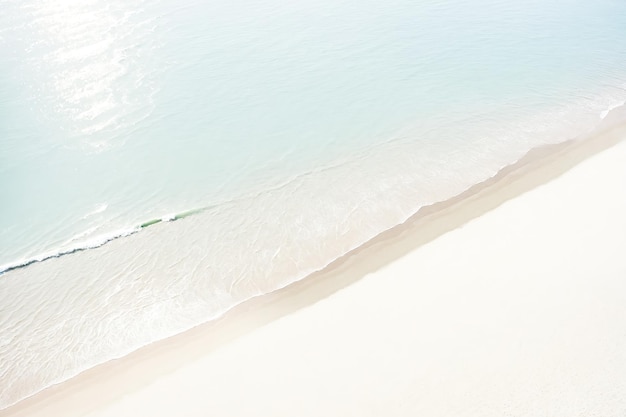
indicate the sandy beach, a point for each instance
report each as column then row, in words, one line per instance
column 509, row 300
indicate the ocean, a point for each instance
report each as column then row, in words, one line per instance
column 161, row 163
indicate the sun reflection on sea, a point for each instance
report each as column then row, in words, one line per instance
column 95, row 78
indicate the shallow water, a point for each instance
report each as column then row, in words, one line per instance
column 294, row 132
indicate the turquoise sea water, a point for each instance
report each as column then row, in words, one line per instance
column 294, row 133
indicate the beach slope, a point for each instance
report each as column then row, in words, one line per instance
column 510, row 302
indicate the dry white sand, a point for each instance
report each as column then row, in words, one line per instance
column 511, row 302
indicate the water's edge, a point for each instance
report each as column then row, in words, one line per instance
column 594, row 142
column 608, row 118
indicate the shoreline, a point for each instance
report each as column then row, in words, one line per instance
column 97, row 241
column 107, row 382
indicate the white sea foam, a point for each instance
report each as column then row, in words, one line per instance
column 611, row 107
column 70, row 247
column 99, row 209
